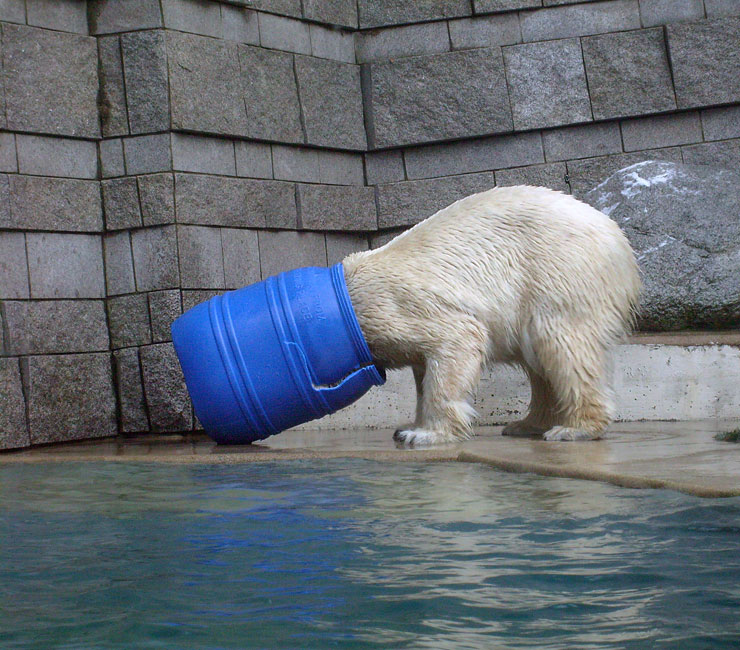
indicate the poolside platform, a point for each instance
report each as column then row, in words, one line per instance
column 683, row 456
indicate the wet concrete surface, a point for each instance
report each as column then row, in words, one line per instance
column 683, row 456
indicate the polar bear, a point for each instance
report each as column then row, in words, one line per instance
column 519, row 275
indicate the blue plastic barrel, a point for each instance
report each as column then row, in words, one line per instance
column 275, row 354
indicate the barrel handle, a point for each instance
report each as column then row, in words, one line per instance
column 322, row 387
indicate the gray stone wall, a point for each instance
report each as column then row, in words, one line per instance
column 156, row 152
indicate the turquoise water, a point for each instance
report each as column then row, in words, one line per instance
column 357, row 554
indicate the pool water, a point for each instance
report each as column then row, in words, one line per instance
column 358, row 554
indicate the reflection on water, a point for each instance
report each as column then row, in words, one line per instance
column 356, row 554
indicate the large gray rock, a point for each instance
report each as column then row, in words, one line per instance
column 683, row 222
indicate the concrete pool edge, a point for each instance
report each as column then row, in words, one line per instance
column 681, row 456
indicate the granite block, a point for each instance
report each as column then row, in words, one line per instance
column 13, row 11
column 241, row 257
column 114, row 16
column 192, row 297
column 331, row 102
column 128, row 320
column 60, row 15
column 705, row 62
column 147, row 154
column 70, row 397
column 65, row 265
column 112, row 97
column 62, row 204
column 164, row 308
column 240, row 25
column 280, row 33
column 204, row 85
column 195, row 153
column 547, row 84
column 333, row 12
column 379, row 239
column 268, row 80
column 661, row 131
column 552, row 175
column 64, row 157
column 586, row 174
column 55, row 326
column 195, row 16
column 235, row 202
column 491, row 6
column 716, row 154
column 580, row 20
column 337, row 207
column 13, row 266
column 404, row 204
column 155, row 258
column 341, row 244
column 112, row 162
column 253, row 159
column 721, row 123
column 334, row 44
column 8, row 156
column 6, row 216
column 582, row 141
column 132, row 406
column 341, row 168
column 295, row 163
column 474, row 155
column 145, row 70
column 201, row 258
column 164, row 389
column 13, row 425
column 662, row 12
column 485, row 31
column 119, row 264
column 121, row 203
column 720, row 8
column 286, row 250
column 436, row 97
column 384, row 167
column 376, row 13
column 628, row 74
column 409, row 40
column 284, row 7
column 51, row 81
column 157, row 196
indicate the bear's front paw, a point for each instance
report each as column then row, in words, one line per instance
column 522, row 428
column 415, row 438
column 569, row 434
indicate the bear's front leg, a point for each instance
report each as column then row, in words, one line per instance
column 444, row 412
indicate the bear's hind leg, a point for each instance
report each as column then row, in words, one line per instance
column 576, row 366
column 542, row 410
column 444, row 411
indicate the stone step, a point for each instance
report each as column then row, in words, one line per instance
column 658, row 376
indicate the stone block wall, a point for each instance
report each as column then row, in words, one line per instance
column 156, row 152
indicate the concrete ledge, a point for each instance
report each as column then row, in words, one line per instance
column 675, row 376
column 682, row 456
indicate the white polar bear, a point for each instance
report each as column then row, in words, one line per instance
column 521, row 275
